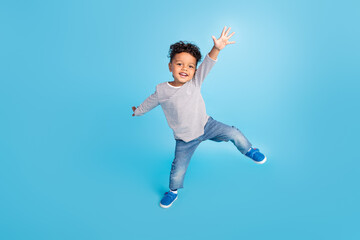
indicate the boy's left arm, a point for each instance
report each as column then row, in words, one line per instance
column 211, row 58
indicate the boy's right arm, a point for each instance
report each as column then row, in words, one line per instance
column 149, row 103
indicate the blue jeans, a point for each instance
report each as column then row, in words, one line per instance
column 213, row 130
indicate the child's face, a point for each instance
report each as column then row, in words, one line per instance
column 183, row 67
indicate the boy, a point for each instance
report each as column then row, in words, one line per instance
column 185, row 111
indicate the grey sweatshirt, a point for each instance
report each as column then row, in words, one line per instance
column 183, row 106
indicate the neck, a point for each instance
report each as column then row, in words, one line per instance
column 176, row 84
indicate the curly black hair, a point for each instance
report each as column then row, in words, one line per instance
column 181, row 46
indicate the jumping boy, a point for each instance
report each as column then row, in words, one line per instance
column 185, row 112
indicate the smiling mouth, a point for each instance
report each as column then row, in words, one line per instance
column 183, row 74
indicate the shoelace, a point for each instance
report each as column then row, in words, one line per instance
column 172, row 196
column 254, row 153
column 254, row 150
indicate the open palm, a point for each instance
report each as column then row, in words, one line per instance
column 223, row 39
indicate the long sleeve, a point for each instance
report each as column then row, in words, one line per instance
column 151, row 102
column 203, row 70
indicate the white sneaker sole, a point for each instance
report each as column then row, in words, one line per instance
column 167, row 206
column 261, row 162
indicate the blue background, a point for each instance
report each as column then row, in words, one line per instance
column 76, row 165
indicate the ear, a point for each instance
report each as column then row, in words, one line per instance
column 170, row 67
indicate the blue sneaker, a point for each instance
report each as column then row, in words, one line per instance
column 256, row 155
column 168, row 199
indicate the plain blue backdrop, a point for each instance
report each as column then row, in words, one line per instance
column 74, row 163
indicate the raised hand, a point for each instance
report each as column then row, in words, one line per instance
column 223, row 39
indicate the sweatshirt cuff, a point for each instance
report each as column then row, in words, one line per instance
column 207, row 56
column 137, row 112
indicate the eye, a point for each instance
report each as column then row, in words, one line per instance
column 179, row 64
column 191, row 66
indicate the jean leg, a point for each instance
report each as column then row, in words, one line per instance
column 183, row 154
column 221, row 132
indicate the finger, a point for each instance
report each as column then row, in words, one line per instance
column 231, row 35
column 227, row 32
column 214, row 38
column 231, row 42
column 223, row 31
